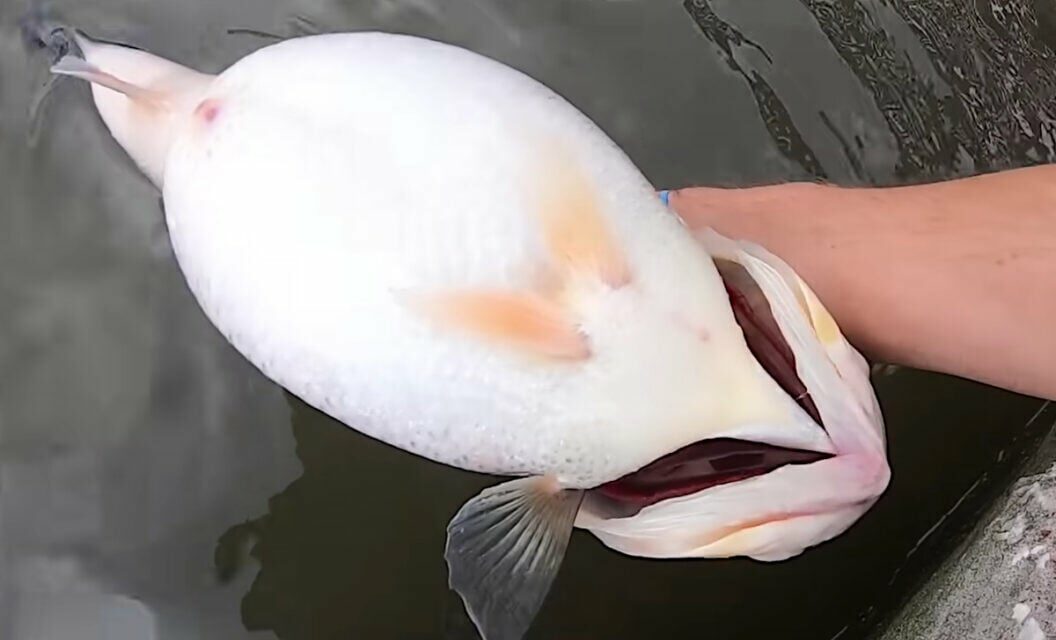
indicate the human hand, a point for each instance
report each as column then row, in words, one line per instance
column 957, row 277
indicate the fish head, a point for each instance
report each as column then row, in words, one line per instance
column 143, row 99
column 790, row 449
column 771, row 491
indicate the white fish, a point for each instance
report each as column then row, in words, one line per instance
column 447, row 256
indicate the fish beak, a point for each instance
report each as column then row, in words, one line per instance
column 759, row 497
column 142, row 98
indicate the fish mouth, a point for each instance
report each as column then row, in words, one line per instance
column 710, row 463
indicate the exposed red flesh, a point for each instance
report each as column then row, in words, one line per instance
column 710, row 463
column 701, row 465
column 770, row 349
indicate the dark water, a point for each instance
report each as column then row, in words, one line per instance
column 153, row 485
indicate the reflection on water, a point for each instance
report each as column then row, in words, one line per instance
column 975, row 92
column 734, row 45
column 150, row 483
column 353, row 547
column 961, row 89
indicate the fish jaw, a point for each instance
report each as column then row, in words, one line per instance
column 143, row 99
column 781, row 513
column 770, row 517
column 833, row 372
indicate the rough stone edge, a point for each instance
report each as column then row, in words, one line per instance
column 1000, row 584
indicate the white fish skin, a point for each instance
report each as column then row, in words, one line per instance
column 343, row 172
column 333, row 200
column 780, row 514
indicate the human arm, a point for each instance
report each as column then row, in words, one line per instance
column 957, row 277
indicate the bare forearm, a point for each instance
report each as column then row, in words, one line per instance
column 957, row 277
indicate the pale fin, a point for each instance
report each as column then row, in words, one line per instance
column 526, row 321
column 78, row 68
column 504, row 549
column 574, row 228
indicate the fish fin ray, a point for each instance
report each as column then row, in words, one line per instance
column 502, row 567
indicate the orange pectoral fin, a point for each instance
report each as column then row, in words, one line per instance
column 525, row 321
column 574, row 228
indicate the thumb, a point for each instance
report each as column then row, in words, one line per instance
column 712, row 206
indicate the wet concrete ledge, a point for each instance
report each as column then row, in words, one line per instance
column 1000, row 584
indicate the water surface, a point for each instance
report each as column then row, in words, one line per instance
column 154, row 485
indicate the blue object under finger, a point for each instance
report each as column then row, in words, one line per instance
column 665, row 195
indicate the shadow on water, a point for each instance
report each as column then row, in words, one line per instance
column 353, row 548
column 137, row 451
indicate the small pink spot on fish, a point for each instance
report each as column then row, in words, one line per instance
column 695, row 328
column 208, row 110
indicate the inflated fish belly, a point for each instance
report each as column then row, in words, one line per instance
column 447, row 256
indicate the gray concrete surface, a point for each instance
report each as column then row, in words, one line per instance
column 1001, row 583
